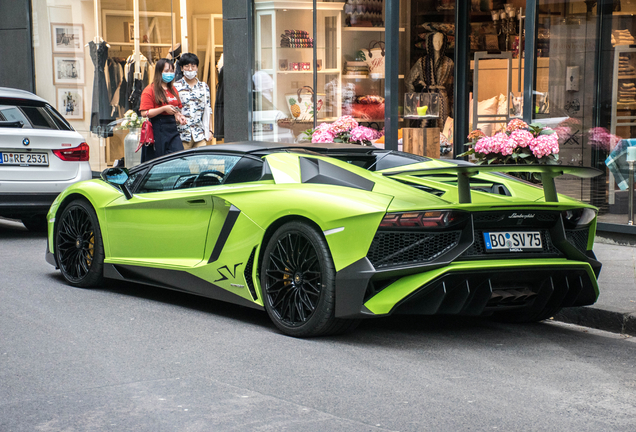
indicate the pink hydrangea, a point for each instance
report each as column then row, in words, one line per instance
column 322, row 136
column 516, row 124
column 343, row 124
column 505, row 145
column 545, row 145
column 361, row 134
column 521, row 138
column 500, row 143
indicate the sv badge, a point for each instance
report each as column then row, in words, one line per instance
column 226, row 273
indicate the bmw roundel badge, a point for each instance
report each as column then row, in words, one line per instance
column 26, row 142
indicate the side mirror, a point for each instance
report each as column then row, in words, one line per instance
column 119, row 177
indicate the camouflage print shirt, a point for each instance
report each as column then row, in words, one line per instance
column 194, row 100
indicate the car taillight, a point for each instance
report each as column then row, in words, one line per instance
column 577, row 218
column 423, row 219
column 75, row 154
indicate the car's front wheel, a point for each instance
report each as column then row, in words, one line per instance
column 79, row 249
column 298, row 282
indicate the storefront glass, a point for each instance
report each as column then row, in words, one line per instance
column 616, row 129
column 88, row 55
column 336, row 71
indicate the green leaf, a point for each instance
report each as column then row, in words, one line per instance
column 524, row 155
column 547, row 132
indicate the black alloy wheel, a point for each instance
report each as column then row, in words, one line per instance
column 79, row 250
column 298, row 280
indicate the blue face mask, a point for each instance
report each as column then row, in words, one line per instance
column 167, row 76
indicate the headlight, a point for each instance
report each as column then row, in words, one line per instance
column 434, row 219
column 577, row 218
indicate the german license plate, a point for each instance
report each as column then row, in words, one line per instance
column 24, row 159
column 513, row 241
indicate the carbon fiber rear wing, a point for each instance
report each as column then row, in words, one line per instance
column 463, row 173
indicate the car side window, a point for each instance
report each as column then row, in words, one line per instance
column 187, row 172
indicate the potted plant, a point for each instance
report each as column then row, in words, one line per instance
column 520, row 143
column 345, row 130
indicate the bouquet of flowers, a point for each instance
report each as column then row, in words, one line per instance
column 520, row 143
column 344, row 130
column 131, row 120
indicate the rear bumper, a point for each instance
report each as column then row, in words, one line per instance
column 19, row 205
column 465, row 288
column 20, row 199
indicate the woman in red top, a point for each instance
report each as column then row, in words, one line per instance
column 160, row 103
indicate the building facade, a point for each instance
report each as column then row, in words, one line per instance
column 567, row 64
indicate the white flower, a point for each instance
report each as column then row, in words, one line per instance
column 133, row 117
column 124, row 124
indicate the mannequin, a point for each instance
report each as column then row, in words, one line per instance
column 434, row 72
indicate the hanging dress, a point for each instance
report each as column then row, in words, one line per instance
column 101, row 110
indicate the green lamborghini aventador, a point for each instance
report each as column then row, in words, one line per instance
column 323, row 235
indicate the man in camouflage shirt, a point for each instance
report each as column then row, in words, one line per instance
column 195, row 96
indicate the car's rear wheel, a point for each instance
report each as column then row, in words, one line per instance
column 79, row 249
column 35, row 223
column 298, row 282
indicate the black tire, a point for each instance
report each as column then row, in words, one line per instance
column 79, row 249
column 36, row 223
column 298, row 282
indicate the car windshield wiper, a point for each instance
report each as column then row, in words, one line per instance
column 12, row 124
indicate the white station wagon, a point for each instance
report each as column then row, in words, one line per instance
column 40, row 155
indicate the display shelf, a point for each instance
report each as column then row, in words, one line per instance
column 626, row 105
column 426, row 117
column 140, row 44
column 627, row 77
column 368, row 29
column 324, row 71
column 357, row 77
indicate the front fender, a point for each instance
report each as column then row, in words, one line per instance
column 97, row 192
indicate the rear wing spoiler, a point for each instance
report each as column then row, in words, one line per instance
column 463, row 173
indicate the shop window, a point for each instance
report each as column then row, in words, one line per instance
column 304, row 79
column 88, row 54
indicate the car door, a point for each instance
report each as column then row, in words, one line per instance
column 167, row 219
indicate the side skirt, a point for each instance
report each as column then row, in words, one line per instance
column 175, row 280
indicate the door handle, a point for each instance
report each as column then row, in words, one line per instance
column 196, row 201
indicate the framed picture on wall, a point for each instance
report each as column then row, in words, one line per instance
column 68, row 70
column 70, row 102
column 67, row 38
column 129, row 31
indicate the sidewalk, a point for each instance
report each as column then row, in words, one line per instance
column 615, row 309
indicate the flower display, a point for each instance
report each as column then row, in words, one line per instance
column 519, row 144
column 131, row 120
column 545, row 145
column 521, row 137
column 344, row 130
column 343, row 124
column 362, row 134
